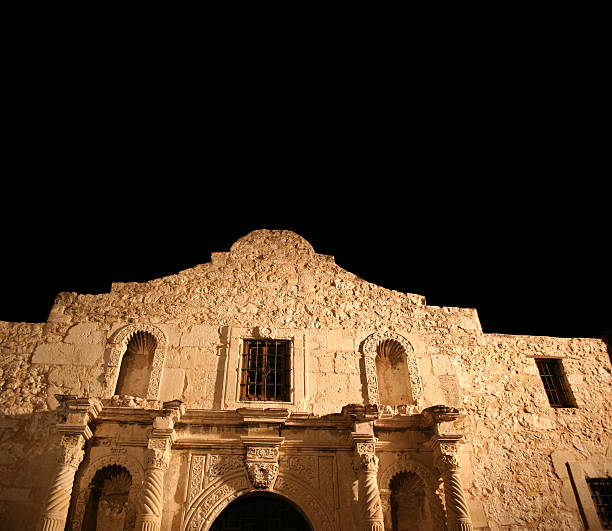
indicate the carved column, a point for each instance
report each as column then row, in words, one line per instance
column 448, row 464
column 157, row 459
column 366, row 465
column 444, row 443
column 74, row 433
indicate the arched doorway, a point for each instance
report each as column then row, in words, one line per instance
column 260, row 513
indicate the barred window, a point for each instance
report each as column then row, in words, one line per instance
column 601, row 491
column 555, row 383
column 266, row 370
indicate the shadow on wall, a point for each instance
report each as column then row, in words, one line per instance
column 29, row 451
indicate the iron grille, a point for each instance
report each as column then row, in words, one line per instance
column 601, row 491
column 555, row 383
column 266, row 370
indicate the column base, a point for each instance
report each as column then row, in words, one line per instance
column 464, row 525
column 148, row 525
column 53, row 524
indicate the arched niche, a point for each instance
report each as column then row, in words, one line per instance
column 391, row 369
column 107, row 505
column 410, row 490
column 143, row 348
column 91, row 476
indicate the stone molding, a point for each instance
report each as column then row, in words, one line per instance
column 118, row 347
column 369, row 350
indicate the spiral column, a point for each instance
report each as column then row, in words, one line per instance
column 366, row 466
column 74, row 433
column 58, row 497
column 458, row 513
column 157, row 459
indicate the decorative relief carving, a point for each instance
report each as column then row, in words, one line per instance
column 212, row 504
column 310, row 505
column 156, row 458
column 71, row 450
column 218, row 465
column 83, row 486
column 365, row 447
column 197, row 476
column 262, row 474
column 257, row 452
column 118, row 348
column 262, row 465
column 267, row 332
column 303, row 466
column 370, row 351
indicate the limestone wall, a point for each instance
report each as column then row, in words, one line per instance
column 520, row 445
column 517, row 446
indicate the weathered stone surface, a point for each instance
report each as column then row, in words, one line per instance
column 516, row 455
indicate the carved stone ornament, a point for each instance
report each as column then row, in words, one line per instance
column 266, row 332
column 366, row 463
column 118, row 348
column 406, row 351
column 262, row 465
column 71, row 450
column 262, row 475
column 156, row 458
column 447, row 460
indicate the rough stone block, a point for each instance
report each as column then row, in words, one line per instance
column 346, row 363
column 85, row 333
column 172, row 383
column 443, row 365
column 200, row 336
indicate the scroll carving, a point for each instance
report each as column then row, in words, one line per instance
column 219, row 465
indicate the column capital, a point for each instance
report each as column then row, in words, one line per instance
column 363, row 443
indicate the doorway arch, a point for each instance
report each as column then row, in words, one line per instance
column 261, row 512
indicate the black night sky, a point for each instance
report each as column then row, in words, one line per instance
column 474, row 173
column 531, row 261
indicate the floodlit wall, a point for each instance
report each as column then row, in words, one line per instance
column 523, row 463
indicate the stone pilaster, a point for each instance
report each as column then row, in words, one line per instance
column 157, row 459
column 366, row 466
column 74, row 433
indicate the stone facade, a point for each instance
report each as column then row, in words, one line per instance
column 400, row 415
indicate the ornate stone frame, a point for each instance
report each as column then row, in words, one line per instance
column 208, row 503
column 431, row 480
column 82, row 486
column 233, row 361
column 118, row 346
column 369, row 349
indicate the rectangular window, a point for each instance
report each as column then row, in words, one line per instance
column 266, row 370
column 601, row 491
column 555, row 384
